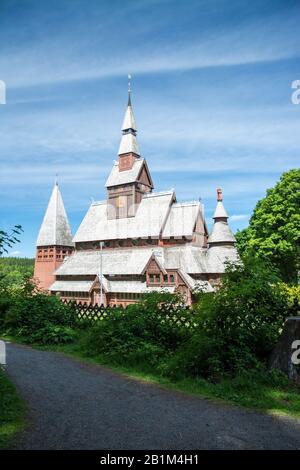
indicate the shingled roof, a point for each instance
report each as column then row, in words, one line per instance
column 55, row 228
column 149, row 220
column 181, row 220
column 132, row 261
column 221, row 232
column 117, row 177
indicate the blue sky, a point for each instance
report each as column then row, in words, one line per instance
column 211, row 95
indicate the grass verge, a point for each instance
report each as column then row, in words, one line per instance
column 12, row 411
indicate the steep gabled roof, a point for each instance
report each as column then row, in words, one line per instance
column 155, row 258
column 117, row 177
column 149, row 220
column 181, row 220
column 55, row 228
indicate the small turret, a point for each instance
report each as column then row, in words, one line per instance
column 221, row 234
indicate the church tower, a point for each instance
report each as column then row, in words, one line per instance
column 129, row 179
column 54, row 241
column 221, row 234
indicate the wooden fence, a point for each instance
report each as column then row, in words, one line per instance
column 92, row 313
column 89, row 312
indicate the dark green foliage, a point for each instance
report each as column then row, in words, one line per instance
column 197, row 356
column 245, row 316
column 36, row 316
column 52, row 334
column 274, row 228
column 142, row 333
column 14, row 271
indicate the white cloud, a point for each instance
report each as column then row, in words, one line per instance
column 15, row 253
column 238, row 217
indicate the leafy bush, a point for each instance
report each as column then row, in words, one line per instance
column 292, row 294
column 36, row 316
column 245, row 316
column 53, row 334
column 143, row 333
column 198, row 356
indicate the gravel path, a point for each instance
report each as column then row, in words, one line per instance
column 73, row 405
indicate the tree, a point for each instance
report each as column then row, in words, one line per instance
column 9, row 239
column 274, row 228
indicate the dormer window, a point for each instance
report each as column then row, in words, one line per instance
column 154, row 279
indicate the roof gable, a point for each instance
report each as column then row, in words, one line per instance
column 133, row 175
column 181, row 220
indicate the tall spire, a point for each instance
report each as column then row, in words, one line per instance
column 221, row 233
column 55, row 228
column 129, row 142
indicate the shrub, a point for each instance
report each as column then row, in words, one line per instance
column 37, row 317
column 198, row 356
column 143, row 333
column 245, row 315
column 52, row 334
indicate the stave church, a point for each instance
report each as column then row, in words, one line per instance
column 135, row 241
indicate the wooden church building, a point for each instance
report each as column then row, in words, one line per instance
column 135, row 241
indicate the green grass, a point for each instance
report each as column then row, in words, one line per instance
column 12, row 411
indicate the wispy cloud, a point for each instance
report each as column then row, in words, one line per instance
column 140, row 48
column 238, row 217
column 15, row 253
